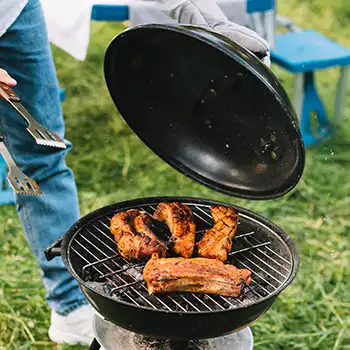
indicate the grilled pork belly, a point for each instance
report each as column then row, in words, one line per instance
column 179, row 219
column 196, row 275
column 135, row 239
column 217, row 241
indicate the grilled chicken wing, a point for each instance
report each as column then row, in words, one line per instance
column 179, row 219
column 197, row 275
column 217, row 241
column 135, row 239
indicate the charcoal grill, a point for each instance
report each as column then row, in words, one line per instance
column 214, row 112
column 115, row 288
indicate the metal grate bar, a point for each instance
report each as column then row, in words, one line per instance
column 177, row 304
column 82, row 257
column 263, row 270
column 268, row 274
column 254, row 291
column 240, row 236
column 125, row 286
column 262, row 278
column 214, row 301
column 192, row 294
column 269, row 249
column 249, row 248
column 200, row 217
column 202, row 302
column 155, row 297
column 204, row 212
column 159, row 300
column 106, row 235
column 98, row 262
column 246, row 249
column 273, row 260
column 121, row 270
column 244, row 235
column 264, row 262
column 119, row 277
column 229, row 302
column 187, row 301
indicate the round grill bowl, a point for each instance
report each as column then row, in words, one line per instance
column 89, row 251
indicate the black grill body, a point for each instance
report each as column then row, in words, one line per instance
column 90, row 253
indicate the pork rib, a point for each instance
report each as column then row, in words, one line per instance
column 196, row 275
column 135, row 239
column 217, row 241
column 179, row 219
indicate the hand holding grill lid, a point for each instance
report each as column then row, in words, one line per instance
column 207, row 13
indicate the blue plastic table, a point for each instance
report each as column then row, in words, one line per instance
column 304, row 52
column 115, row 13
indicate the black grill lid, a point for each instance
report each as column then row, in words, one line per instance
column 208, row 107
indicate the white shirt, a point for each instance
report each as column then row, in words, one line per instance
column 9, row 11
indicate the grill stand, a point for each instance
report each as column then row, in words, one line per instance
column 111, row 337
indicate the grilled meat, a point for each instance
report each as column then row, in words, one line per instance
column 217, row 241
column 135, row 239
column 197, row 275
column 179, row 219
column 121, row 223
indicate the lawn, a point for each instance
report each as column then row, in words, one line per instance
column 111, row 164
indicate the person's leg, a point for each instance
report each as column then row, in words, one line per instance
column 25, row 53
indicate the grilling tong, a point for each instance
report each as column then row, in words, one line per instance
column 17, row 179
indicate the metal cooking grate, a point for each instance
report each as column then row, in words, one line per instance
column 255, row 247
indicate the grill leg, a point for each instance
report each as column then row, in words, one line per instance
column 95, row 345
column 179, row 344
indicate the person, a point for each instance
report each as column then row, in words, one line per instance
column 27, row 65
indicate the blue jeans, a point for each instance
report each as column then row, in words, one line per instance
column 25, row 53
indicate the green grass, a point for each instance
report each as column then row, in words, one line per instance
column 111, row 164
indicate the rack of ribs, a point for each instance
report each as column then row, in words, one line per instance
column 196, row 275
column 135, row 239
column 217, row 241
column 179, row 219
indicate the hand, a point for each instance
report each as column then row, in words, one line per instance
column 5, row 78
column 207, row 13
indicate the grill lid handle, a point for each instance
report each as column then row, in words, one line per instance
column 54, row 250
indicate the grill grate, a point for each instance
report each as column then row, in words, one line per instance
column 256, row 247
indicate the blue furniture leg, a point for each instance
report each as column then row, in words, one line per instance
column 62, row 95
column 6, row 193
column 313, row 108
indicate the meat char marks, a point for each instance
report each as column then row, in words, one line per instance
column 179, row 219
column 196, row 275
column 135, row 239
column 217, row 241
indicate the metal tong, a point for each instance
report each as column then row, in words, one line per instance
column 42, row 135
column 18, row 180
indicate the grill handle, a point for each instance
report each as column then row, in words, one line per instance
column 54, row 250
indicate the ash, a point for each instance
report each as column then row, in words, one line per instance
column 102, row 288
column 148, row 343
column 136, row 272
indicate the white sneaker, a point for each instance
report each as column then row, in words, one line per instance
column 75, row 328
